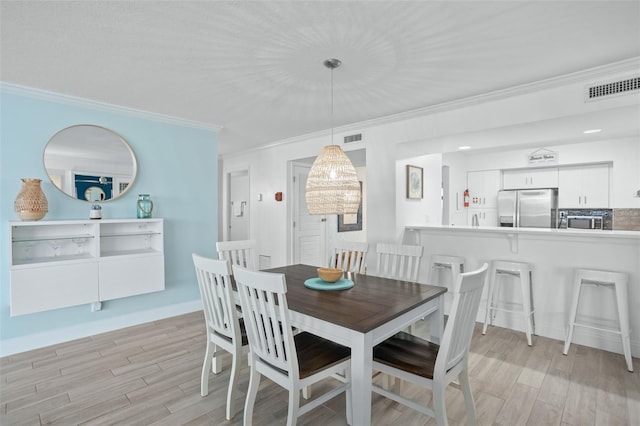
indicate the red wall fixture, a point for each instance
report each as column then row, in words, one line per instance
column 278, row 196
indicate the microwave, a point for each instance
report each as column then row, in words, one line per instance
column 584, row 222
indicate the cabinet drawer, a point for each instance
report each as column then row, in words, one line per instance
column 131, row 275
column 52, row 287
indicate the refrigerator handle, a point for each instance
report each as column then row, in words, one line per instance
column 516, row 212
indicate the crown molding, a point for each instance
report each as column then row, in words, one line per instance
column 631, row 65
column 46, row 95
column 582, row 77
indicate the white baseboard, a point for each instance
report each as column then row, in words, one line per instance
column 48, row 338
column 581, row 336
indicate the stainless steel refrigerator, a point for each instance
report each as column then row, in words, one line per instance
column 528, row 208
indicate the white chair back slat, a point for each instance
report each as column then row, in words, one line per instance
column 350, row 256
column 399, row 261
column 459, row 330
column 243, row 253
column 265, row 309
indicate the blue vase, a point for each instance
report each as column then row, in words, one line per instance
column 145, row 206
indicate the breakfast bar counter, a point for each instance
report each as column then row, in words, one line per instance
column 553, row 254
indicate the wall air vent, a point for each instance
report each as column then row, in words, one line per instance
column 605, row 90
column 353, row 138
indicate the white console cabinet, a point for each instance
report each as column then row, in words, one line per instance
column 56, row 264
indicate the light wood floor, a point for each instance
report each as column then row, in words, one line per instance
column 150, row 374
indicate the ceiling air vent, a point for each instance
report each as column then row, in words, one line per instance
column 605, row 90
column 353, row 138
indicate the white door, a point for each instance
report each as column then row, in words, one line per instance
column 238, row 208
column 309, row 231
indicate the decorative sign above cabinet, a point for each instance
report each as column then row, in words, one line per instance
column 543, row 156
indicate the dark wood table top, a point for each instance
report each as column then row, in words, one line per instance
column 370, row 303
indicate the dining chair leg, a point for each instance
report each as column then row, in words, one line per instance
column 216, row 367
column 206, row 366
column 306, row 392
column 439, row 407
column 233, row 382
column 294, row 406
column 468, row 396
column 252, row 392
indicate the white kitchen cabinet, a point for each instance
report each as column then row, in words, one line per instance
column 486, row 217
column 483, row 196
column 584, row 187
column 56, row 264
column 530, row 178
column 483, row 188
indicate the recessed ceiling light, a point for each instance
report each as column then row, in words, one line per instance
column 464, row 147
column 586, row 132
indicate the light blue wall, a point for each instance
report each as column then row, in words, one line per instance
column 177, row 165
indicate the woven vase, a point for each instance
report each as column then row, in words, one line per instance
column 31, row 203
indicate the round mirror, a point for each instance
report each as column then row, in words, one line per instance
column 90, row 163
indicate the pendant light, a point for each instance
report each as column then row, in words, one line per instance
column 332, row 185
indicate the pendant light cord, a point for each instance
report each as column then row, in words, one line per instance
column 332, row 106
column 332, row 64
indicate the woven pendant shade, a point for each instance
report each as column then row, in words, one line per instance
column 332, row 185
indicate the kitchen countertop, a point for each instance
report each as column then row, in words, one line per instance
column 554, row 254
column 588, row 233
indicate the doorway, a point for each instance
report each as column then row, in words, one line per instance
column 238, row 207
column 308, row 231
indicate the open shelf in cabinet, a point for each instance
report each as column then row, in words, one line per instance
column 128, row 238
column 45, row 242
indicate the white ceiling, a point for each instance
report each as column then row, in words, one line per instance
column 255, row 68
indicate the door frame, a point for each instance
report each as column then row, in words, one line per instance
column 291, row 207
column 226, row 200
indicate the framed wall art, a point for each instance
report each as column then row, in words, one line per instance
column 351, row 222
column 414, row 182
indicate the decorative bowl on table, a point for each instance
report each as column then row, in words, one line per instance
column 330, row 275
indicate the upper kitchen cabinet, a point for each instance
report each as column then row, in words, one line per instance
column 530, row 178
column 483, row 189
column 584, row 187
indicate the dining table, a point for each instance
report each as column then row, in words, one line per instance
column 360, row 317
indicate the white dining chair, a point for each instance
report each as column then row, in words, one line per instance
column 223, row 327
column 241, row 252
column 401, row 262
column 350, row 256
column 426, row 364
column 293, row 361
column 398, row 261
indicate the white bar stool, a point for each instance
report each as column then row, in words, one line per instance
column 522, row 272
column 444, row 271
column 617, row 281
column 451, row 264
